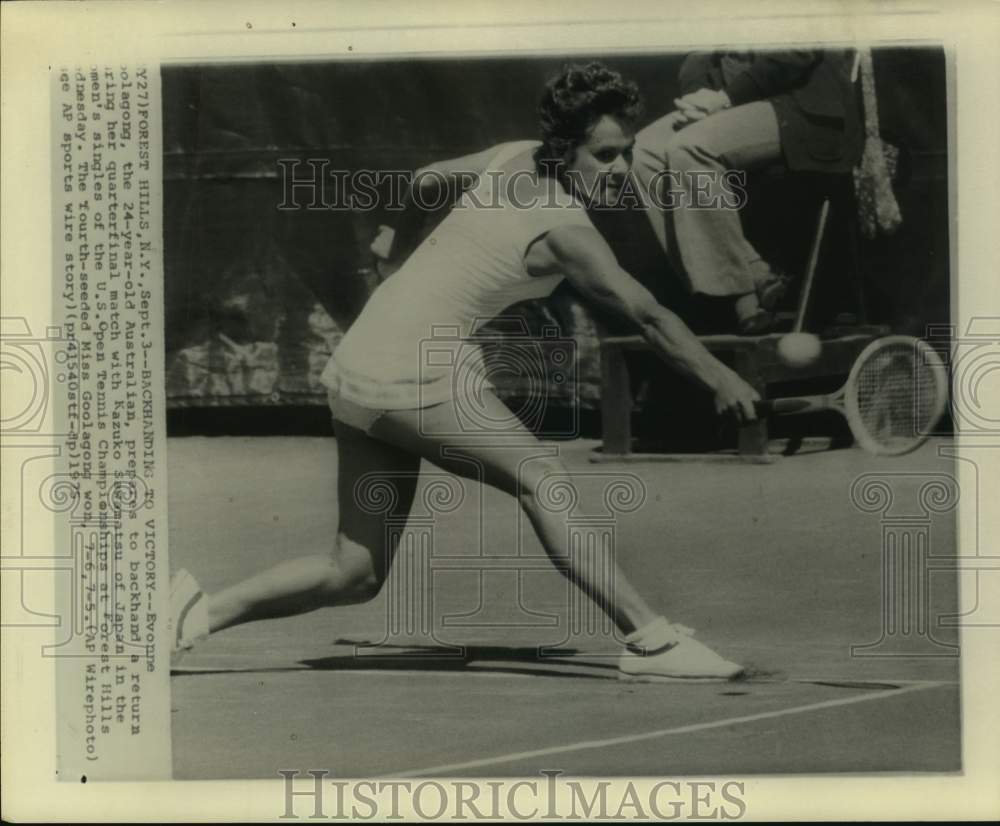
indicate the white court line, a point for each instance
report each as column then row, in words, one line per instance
column 652, row 735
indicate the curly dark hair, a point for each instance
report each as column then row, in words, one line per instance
column 574, row 100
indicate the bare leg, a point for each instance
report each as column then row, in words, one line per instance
column 515, row 461
column 359, row 562
column 512, row 460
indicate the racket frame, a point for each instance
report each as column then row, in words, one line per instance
column 927, row 357
column 845, row 400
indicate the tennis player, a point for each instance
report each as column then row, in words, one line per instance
column 519, row 229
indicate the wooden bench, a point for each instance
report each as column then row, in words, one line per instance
column 755, row 358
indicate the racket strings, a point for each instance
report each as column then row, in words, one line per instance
column 897, row 396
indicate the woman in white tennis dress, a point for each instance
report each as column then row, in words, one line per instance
column 517, row 232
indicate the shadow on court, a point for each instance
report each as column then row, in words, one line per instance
column 472, row 659
column 774, row 566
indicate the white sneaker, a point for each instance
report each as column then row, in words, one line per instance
column 188, row 614
column 663, row 651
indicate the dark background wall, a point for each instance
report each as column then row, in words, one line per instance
column 283, row 285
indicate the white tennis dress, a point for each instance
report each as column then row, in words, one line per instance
column 409, row 347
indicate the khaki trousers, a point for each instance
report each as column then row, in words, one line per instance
column 707, row 244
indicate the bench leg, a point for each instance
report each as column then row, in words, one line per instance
column 616, row 402
column 753, row 439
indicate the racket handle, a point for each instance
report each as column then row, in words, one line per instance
column 780, row 407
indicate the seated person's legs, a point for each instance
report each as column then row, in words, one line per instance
column 695, row 212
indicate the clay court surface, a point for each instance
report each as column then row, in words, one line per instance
column 772, row 564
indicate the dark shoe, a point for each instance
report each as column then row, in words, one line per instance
column 772, row 289
column 758, row 324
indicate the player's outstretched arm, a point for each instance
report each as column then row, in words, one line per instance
column 586, row 260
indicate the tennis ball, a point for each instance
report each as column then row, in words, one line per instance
column 799, row 349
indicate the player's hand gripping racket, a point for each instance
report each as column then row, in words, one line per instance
column 893, row 398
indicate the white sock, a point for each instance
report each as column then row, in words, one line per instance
column 188, row 609
column 194, row 626
column 660, row 633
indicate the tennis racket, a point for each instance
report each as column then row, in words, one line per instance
column 894, row 396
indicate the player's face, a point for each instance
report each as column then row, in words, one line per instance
column 599, row 166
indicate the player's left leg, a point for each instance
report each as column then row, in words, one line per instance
column 352, row 571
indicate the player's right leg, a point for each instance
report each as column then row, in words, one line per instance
column 353, row 571
column 511, row 459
